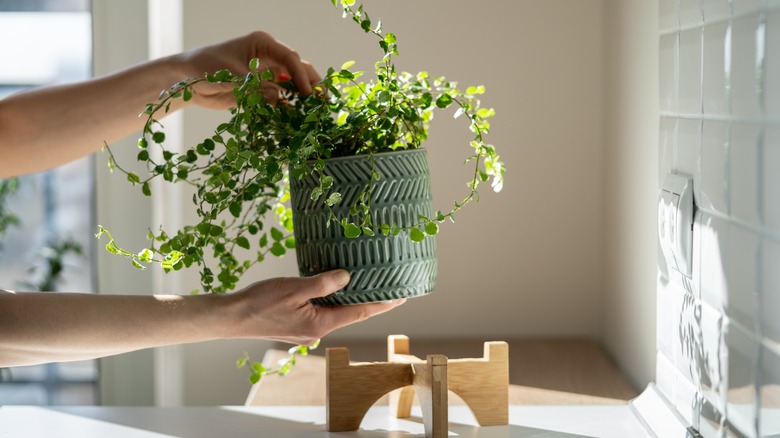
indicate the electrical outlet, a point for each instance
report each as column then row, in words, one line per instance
column 675, row 222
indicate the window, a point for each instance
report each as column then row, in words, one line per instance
column 49, row 42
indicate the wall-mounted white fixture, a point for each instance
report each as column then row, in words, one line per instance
column 675, row 222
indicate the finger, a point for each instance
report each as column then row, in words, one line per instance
column 323, row 284
column 271, row 92
column 314, row 77
column 340, row 316
column 292, row 61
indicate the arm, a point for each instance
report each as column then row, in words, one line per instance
column 50, row 126
column 46, row 327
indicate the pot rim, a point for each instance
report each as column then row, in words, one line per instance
column 378, row 154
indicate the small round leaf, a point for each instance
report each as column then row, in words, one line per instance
column 416, row 235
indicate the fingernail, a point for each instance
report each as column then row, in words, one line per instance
column 342, row 278
column 284, row 77
column 270, row 95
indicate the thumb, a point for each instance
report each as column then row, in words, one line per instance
column 324, row 284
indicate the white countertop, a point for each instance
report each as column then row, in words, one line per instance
column 305, row 421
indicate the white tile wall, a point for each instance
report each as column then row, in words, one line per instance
column 742, row 299
column 771, row 176
column 687, row 148
column 769, row 422
column 744, row 99
column 743, row 354
column 770, row 292
column 713, row 191
column 668, row 15
column 772, row 65
column 668, row 140
column 744, row 161
column 713, row 233
column 719, row 333
column 714, row 62
column 690, row 85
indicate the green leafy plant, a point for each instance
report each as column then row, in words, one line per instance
column 241, row 172
column 258, row 370
column 47, row 274
column 8, row 219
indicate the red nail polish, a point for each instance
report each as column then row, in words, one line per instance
column 284, row 77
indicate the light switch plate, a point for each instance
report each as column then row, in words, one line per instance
column 675, row 222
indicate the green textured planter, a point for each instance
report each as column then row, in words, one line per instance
column 381, row 267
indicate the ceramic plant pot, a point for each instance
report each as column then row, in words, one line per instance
column 381, row 267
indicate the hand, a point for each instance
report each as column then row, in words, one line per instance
column 279, row 308
column 234, row 55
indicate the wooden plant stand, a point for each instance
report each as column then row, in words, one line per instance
column 482, row 383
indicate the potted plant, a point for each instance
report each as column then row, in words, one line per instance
column 341, row 175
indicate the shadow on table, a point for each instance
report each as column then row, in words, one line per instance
column 208, row 422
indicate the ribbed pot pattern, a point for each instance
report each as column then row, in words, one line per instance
column 381, row 267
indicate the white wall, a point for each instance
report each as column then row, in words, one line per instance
column 526, row 262
column 631, row 186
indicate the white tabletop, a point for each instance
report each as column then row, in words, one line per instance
column 304, row 421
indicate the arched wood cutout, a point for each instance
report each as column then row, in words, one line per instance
column 482, row 383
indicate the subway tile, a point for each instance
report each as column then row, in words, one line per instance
column 690, row 13
column 688, row 401
column 699, row 226
column 681, row 333
column 712, row 358
column 743, row 172
column 771, row 177
column 716, row 10
column 743, row 354
column 769, row 391
column 770, row 290
column 742, row 268
column 744, row 96
column 687, row 342
column 772, row 66
column 667, row 15
column 714, row 161
column 741, row 7
column 668, row 139
column 714, row 72
column 713, row 234
column 665, row 376
column 711, row 420
column 686, row 155
column 666, row 324
column 668, row 57
column 689, row 98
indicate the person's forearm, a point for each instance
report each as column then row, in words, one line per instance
column 41, row 327
column 38, row 327
column 47, row 127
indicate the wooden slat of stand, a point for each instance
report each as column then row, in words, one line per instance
column 430, row 384
column 400, row 400
column 353, row 388
column 482, row 383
